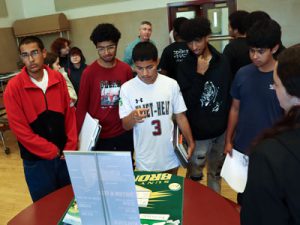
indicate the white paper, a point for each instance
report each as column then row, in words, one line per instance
column 235, row 169
column 143, row 195
column 154, row 216
column 89, row 133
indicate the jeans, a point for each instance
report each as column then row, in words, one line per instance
column 45, row 176
column 212, row 151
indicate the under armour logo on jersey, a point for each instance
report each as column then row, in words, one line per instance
column 139, row 100
column 271, row 87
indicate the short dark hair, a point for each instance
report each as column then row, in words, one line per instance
column 31, row 39
column 256, row 16
column 237, row 20
column 177, row 23
column 195, row 28
column 264, row 34
column 144, row 51
column 105, row 32
column 146, row 22
column 58, row 44
column 288, row 70
column 77, row 51
column 51, row 57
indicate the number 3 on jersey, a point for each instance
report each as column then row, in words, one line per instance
column 157, row 127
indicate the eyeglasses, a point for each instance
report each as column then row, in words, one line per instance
column 109, row 48
column 147, row 68
column 259, row 51
column 26, row 55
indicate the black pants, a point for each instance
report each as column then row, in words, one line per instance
column 123, row 142
column 240, row 198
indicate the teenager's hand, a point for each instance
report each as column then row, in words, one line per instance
column 228, row 148
column 138, row 115
column 191, row 149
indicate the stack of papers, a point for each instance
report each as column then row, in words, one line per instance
column 143, row 195
column 89, row 133
column 235, row 170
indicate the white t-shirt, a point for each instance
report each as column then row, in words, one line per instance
column 153, row 138
column 43, row 84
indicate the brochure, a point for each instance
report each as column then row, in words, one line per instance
column 89, row 133
column 235, row 170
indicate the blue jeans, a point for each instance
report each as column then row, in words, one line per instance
column 212, row 151
column 45, row 176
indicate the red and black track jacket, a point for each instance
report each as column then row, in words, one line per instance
column 42, row 122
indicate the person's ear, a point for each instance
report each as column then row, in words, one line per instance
column 235, row 32
column 207, row 38
column 44, row 53
column 275, row 49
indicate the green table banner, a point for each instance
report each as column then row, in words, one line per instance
column 165, row 201
column 160, row 200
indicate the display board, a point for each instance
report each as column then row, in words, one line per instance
column 159, row 197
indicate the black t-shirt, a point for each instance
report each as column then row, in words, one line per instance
column 172, row 55
column 65, row 62
column 206, row 95
column 75, row 76
column 237, row 52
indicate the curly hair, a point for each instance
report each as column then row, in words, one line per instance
column 105, row 32
column 58, row 44
column 195, row 28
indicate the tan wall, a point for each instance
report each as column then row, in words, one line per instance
column 127, row 23
column 285, row 12
column 8, row 51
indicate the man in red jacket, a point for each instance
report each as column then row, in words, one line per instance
column 40, row 115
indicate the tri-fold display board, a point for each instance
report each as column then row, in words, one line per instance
column 104, row 187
